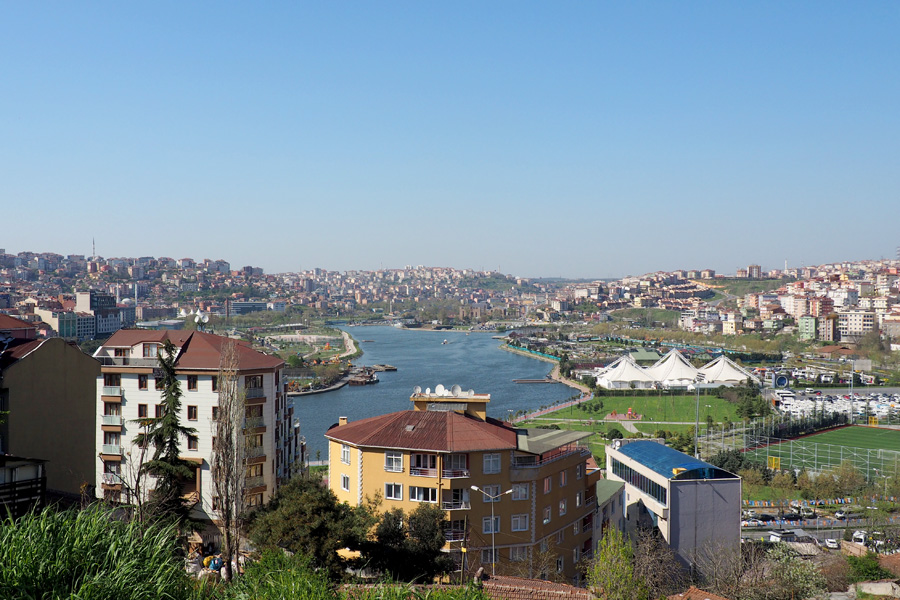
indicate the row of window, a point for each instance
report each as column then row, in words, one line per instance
column 520, row 554
column 640, row 481
column 393, row 461
column 115, row 380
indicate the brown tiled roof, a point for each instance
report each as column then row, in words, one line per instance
column 502, row 587
column 693, row 593
column 8, row 322
column 16, row 350
column 199, row 350
column 438, row 431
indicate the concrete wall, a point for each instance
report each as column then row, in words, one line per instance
column 52, row 412
column 704, row 514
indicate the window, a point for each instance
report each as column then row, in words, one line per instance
column 456, row 462
column 520, row 522
column 121, row 353
column 393, row 462
column 491, row 493
column 192, row 442
column 579, row 499
column 253, row 381
column 254, row 440
column 215, row 413
column 562, row 507
column 423, row 464
column 563, row 478
column 142, row 411
column 560, row 536
column 111, row 438
column 520, row 491
column 142, row 382
column 192, row 413
column 254, row 470
column 488, row 556
column 192, row 383
column 112, row 380
column 393, row 491
column 490, row 525
column 112, row 408
column 158, row 411
column 579, row 471
column 254, row 500
column 345, row 483
column 422, row 494
column 548, row 484
column 151, row 350
column 491, row 463
column 215, row 503
column 345, row 454
column 518, row 553
column 158, row 382
column 215, row 383
column 546, row 515
column 560, row 563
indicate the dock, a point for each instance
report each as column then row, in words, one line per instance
column 544, row 380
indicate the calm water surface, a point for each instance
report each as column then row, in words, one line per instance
column 472, row 361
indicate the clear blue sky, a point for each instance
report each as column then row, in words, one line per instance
column 577, row 139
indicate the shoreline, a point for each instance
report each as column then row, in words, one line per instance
column 554, row 372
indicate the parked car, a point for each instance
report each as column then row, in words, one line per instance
column 832, row 544
column 840, row 514
column 806, row 512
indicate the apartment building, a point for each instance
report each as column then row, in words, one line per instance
column 695, row 506
column 129, row 389
column 853, row 324
column 534, row 492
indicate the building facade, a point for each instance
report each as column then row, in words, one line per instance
column 129, row 390
column 534, row 496
column 694, row 505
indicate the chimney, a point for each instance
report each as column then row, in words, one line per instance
column 342, row 420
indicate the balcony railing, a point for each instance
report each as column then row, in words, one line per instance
column 393, row 468
column 252, row 482
column 112, row 449
column 455, row 505
column 255, row 392
column 423, row 472
column 591, row 500
column 534, row 462
column 454, row 535
column 255, row 451
column 455, row 473
column 127, row 361
column 112, row 478
column 251, row 422
column 112, row 419
column 112, row 390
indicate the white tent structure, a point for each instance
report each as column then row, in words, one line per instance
column 673, row 370
column 624, row 373
column 723, row 371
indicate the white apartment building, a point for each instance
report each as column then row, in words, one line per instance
column 128, row 390
column 854, row 324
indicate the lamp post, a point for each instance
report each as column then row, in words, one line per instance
column 700, row 378
column 493, row 498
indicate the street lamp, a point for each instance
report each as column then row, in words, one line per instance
column 700, row 378
column 493, row 498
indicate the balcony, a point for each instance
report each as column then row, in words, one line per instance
column 423, row 472
column 111, row 479
column 252, row 422
column 454, row 473
column 112, row 420
column 254, row 482
column 455, row 505
column 255, row 392
column 113, row 449
column 255, row 451
column 536, row 462
column 112, row 390
column 127, row 361
column 455, row 535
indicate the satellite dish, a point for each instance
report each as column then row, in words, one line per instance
column 439, row 389
column 455, row 390
column 197, row 319
column 206, row 318
column 616, row 444
column 470, row 393
column 427, row 390
column 417, row 390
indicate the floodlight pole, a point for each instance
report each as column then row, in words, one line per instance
column 493, row 499
column 700, row 377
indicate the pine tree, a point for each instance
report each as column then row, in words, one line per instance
column 164, row 435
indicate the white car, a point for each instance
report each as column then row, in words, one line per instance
column 840, row 515
column 832, row 544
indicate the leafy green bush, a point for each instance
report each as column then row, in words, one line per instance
column 866, row 568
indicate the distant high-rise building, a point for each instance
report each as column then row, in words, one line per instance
column 754, row 272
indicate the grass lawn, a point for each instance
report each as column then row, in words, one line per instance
column 860, row 437
column 656, row 408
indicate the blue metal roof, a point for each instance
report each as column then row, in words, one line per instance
column 663, row 460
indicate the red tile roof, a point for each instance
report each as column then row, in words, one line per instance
column 438, row 431
column 17, row 350
column 693, row 593
column 199, row 350
column 8, row 322
column 502, row 587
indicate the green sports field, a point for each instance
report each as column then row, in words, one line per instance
column 872, row 450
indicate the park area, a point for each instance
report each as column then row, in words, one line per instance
column 664, row 408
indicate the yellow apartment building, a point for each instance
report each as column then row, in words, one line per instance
column 534, row 499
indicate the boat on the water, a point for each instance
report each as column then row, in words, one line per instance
column 445, row 342
column 363, row 376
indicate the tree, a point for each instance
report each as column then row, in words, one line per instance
column 783, row 484
column 229, row 466
column 791, row 576
column 656, row 564
column 306, row 517
column 866, row 568
column 409, row 548
column 164, row 434
column 611, row 572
